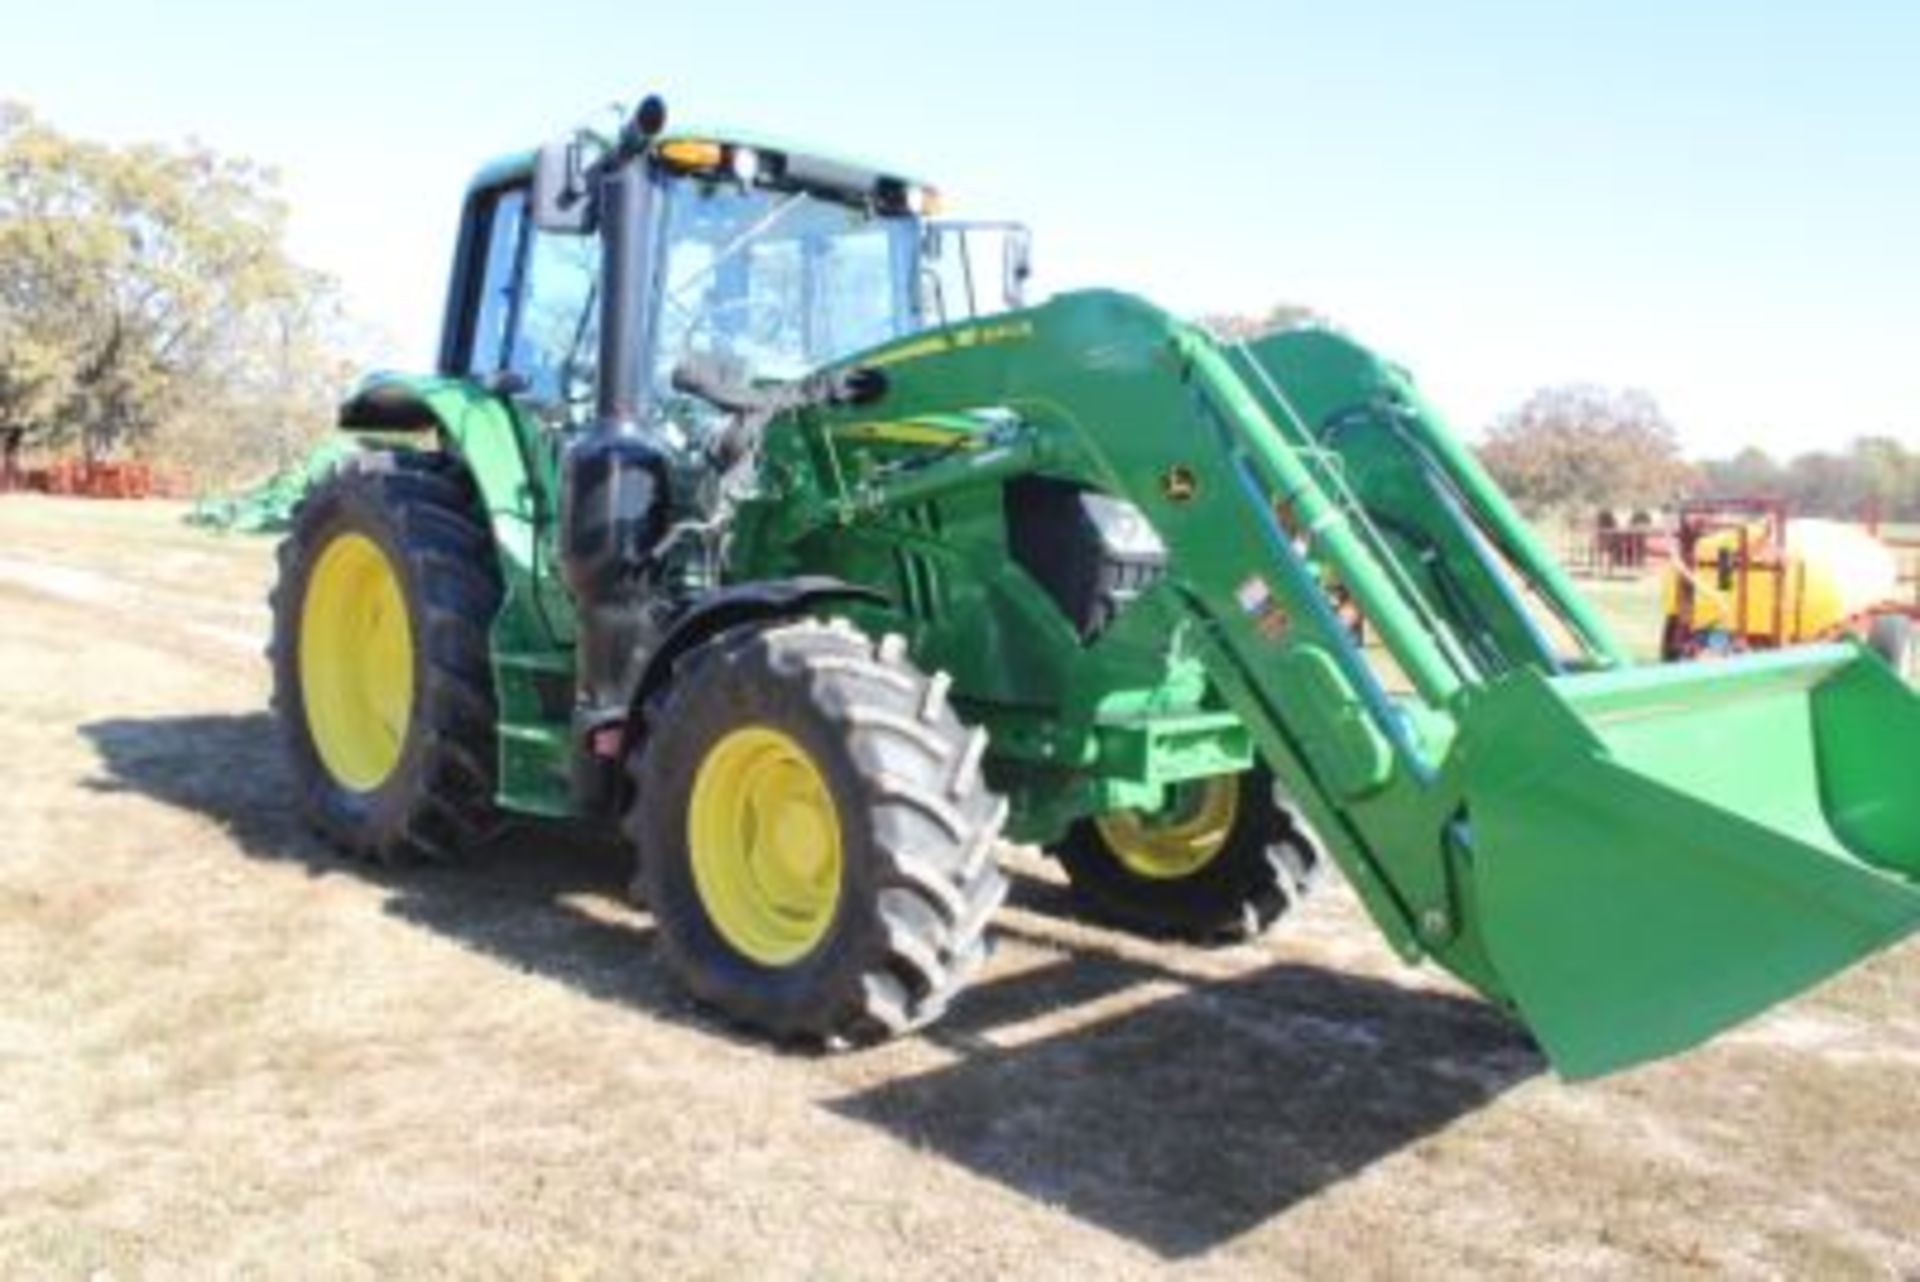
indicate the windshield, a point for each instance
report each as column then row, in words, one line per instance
column 773, row 284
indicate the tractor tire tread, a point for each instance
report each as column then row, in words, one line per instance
column 1270, row 863
column 915, row 931
column 425, row 512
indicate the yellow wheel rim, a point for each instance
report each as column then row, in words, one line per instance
column 356, row 662
column 764, row 836
column 1180, row 840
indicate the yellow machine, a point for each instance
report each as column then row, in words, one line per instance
column 1745, row 577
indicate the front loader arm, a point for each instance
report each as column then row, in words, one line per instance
column 1632, row 859
column 1110, row 390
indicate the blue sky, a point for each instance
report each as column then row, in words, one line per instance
column 1717, row 202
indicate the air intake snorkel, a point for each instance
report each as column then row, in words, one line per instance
column 614, row 499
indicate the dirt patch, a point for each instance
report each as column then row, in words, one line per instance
column 222, row 1051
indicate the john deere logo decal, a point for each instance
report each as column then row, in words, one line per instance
column 1179, row 483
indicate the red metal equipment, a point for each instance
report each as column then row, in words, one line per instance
column 79, row 478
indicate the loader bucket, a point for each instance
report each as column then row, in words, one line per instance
column 1659, row 853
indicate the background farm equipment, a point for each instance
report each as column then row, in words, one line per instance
column 268, row 506
column 82, row 478
column 1619, row 543
column 751, row 507
column 1747, row 577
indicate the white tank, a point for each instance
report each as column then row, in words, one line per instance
column 1833, row 571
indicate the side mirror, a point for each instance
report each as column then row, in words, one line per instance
column 562, row 198
column 1016, row 265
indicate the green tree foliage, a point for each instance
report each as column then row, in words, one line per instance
column 1578, row 447
column 148, row 304
column 1875, row 474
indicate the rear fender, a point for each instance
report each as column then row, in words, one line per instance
column 389, row 403
column 478, row 426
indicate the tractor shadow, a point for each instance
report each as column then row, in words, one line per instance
column 546, row 899
column 1189, row 1119
column 1186, row 1115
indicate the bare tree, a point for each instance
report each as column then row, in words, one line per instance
column 1581, row 446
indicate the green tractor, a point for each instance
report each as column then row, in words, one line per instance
column 751, row 508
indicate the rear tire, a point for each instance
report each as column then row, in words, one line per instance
column 914, row 830
column 1257, row 864
column 1892, row 636
column 428, row 790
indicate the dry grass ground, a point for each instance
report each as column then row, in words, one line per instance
column 225, row 1053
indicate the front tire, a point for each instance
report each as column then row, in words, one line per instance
column 815, row 838
column 381, row 676
column 1222, row 862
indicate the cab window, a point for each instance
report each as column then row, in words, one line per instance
column 556, row 330
column 494, row 295
column 774, row 284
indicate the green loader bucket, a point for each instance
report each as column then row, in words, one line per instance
column 1659, row 853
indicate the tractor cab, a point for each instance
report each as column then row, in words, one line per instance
column 771, row 263
column 732, row 254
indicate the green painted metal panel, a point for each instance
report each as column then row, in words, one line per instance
column 1659, row 858
column 1345, row 747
